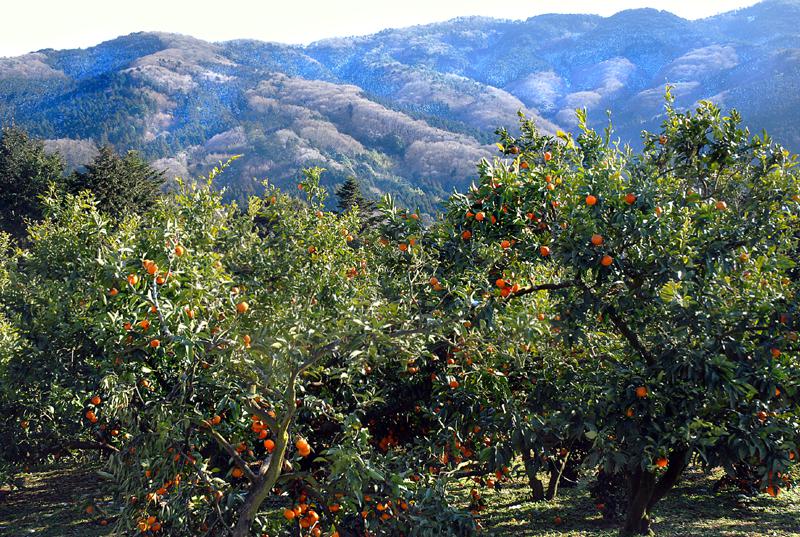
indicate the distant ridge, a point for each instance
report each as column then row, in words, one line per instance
column 409, row 110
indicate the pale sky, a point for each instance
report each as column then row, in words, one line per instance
column 30, row 25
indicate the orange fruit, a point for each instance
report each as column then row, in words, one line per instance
column 762, row 416
column 658, row 211
column 302, row 447
column 216, row 420
column 547, row 156
column 113, row 291
column 505, row 244
column 641, row 392
column 480, row 217
column 500, row 283
column 606, row 260
column 662, row 139
column 269, row 445
column 630, row 199
column 155, row 343
column 237, row 473
column 597, row 239
column 721, row 205
column 96, row 400
column 242, row 307
column 180, row 250
column 150, row 267
column 591, row 201
column 434, row 281
column 466, row 235
column 544, row 251
column 775, row 352
column 662, row 462
column 403, row 247
column 133, row 279
column 144, row 324
column 247, row 340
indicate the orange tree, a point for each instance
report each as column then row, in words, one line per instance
column 223, row 358
column 670, row 272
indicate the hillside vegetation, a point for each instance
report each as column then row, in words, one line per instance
column 408, row 111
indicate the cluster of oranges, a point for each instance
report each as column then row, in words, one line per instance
column 90, row 414
column 150, row 523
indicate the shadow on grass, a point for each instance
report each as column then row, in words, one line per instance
column 692, row 510
column 52, row 505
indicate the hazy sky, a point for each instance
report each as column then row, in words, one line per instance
column 36, row 24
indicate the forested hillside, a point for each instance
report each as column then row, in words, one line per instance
column 408, row 111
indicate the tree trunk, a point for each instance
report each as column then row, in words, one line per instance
column 637, row 519
column 269, row 472
column 267, row 477
column 537, row 488
column 556, row 473
column 646, row 492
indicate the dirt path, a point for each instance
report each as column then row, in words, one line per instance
column 52, row 505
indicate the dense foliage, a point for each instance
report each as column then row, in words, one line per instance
column 275, row 368
column 29, row 173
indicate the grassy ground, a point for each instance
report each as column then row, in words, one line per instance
column 53, row 501
column 691, row 510
column 52, row 504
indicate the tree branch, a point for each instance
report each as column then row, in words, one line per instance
column 545, row 287
column 229, row 449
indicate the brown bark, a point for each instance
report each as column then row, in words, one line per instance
column 637, row 519
column 646, row 491
column 537, row 488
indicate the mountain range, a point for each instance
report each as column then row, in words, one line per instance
column 408, row 111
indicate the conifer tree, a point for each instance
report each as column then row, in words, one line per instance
column 120, row 184
column 26, row 172
column 349, row 195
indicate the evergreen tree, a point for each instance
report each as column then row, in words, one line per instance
column 349, row 195
column 26, row 172
column 120, row 185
